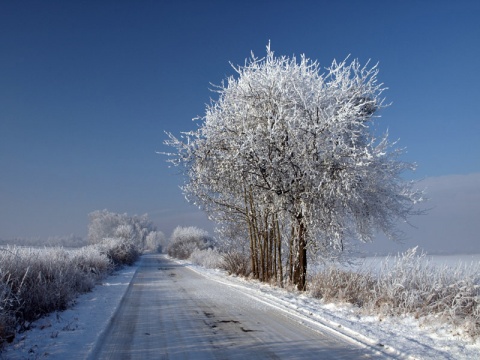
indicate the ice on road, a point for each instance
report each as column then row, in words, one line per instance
column 172, row 312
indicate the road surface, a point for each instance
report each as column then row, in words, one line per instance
column 172, row 312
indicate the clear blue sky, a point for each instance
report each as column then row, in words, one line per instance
column 87, row 89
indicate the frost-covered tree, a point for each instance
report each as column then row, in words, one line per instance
column 105, row 224
column 185, row 240
column 289, row 151
column 155, row 241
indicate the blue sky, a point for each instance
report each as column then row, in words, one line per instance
column 87, row 89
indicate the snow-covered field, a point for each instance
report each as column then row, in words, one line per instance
column 73, row 333
column 452, row 261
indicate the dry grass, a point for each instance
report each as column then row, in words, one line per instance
column 35, row 282
column 408, row 284
column 337, row 285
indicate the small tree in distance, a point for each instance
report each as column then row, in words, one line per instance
column 136, row 233
column 288, row 151
column 185, row 240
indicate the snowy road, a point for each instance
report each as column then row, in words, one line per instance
column 172, row 312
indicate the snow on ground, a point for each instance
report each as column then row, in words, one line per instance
column 404, row 338
column 73, row 333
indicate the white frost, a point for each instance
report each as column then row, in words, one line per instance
column 73, row 333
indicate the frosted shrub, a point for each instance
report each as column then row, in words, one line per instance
column 155, row 241
column 209, row 258
column 185, row 240
column 119, row 251
column 105, row 224
column 237, row 263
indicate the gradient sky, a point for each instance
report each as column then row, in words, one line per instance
column 87, row 89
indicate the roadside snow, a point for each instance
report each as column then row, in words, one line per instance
column 72, row 333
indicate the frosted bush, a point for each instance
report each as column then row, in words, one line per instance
column 119, row 251
column 209, row 258
column 155, row 241
column 185, row 240
column 105, row 224
column 237, row 263
column 124, row 231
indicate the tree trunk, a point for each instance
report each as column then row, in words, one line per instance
column 262, row 258
column 291, row 256
column 252, row 248
column 274, row 244
column 279, row 251
column 253, row 232
column 300, row 268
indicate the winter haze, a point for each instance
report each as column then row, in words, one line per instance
column 88, row 89
column 451, row 223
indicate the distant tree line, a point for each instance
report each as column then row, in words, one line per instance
column 136, row 231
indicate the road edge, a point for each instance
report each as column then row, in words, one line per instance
column 90, row 354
